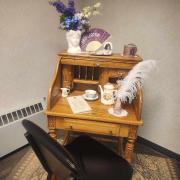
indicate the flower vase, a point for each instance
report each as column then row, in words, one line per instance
column 73, row 39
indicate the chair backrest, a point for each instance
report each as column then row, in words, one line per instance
column 55, row 159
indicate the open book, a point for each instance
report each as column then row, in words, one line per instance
column 78, row 104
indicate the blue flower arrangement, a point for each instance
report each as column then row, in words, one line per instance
column 71, row 19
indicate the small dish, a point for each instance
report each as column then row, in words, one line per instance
column 90, row 99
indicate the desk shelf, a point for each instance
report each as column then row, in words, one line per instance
column 82, row 81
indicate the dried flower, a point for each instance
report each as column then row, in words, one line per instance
column 95, row 13
column 97, row 5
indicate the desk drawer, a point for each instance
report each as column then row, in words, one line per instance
column 88, row 126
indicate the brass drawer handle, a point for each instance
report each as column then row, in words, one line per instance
column 70, row 127
column 97, row 65
column 110, row 132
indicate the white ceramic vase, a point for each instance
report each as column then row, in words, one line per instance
column 73, row 39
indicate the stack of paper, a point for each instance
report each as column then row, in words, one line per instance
column 78, row 104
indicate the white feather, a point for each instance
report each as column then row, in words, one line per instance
column 128, row 87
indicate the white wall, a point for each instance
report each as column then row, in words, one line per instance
column 29, row 42
column 154, row 27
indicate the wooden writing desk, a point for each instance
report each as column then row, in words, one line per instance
column 80, row 72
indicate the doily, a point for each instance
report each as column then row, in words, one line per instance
column 121, row 114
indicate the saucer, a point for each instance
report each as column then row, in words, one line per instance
column 89, row 99
column 121, row 114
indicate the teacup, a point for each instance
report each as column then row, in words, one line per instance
column 65, row 92
column 90, row 93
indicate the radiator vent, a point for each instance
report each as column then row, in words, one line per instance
column 20, row 114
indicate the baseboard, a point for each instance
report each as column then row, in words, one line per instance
column 15, row 151
column 158, row 148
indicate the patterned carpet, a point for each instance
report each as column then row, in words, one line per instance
column 146, row 167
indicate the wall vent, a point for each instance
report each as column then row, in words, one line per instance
column 20, row 114
column 11, row 128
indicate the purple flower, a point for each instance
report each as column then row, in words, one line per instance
column 71, row 4
column 71, row 23
column 60, row 7
column 69, row 12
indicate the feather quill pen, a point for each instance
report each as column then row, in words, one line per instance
column 128, row 87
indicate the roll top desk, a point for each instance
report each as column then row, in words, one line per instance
column 83, row 71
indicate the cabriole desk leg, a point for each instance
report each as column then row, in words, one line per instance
column 52, row 127
column 130, row 144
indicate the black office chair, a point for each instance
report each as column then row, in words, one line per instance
column 83, row 159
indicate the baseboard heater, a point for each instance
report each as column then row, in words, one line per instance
column 11, row 129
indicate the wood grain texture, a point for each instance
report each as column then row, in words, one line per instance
column 130, row 144
column 88, row 126
column 138, row 103
column 67, row 76
column 52, row 126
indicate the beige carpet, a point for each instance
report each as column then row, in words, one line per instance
column 146, row 167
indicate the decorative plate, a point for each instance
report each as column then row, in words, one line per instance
column 93, row 39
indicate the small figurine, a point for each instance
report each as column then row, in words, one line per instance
column 73, row 39
column 108, row 47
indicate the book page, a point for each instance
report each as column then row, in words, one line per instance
column 78, row 104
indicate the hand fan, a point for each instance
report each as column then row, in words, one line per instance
column 93, row 39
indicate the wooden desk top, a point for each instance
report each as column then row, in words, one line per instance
column 99, row 112
column 114, row 56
